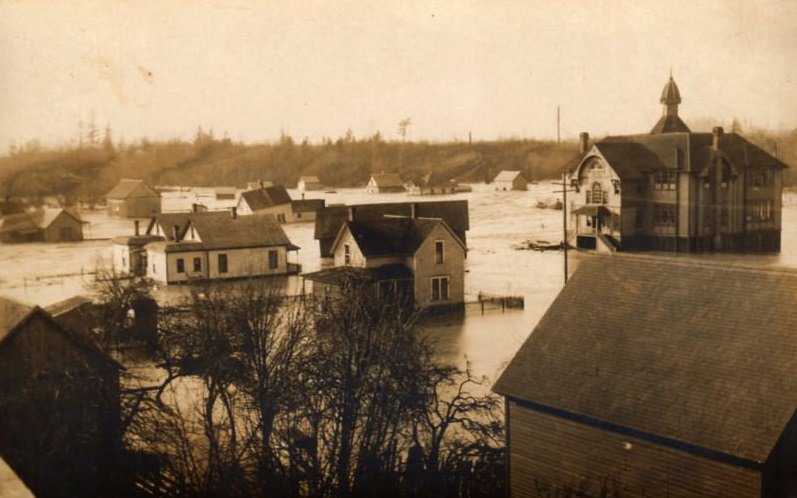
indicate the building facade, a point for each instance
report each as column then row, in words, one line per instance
column 510, row 180
column 46, row 225
column 657, row 377
column 273, row 200
column 308, row 183
column 675, row 190
column 385, row 183
column 419, row 258
column 132, row 198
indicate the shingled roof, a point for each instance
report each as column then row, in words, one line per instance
column 219, row 230
column 698, row 353
column 127, row 186
column 506, row 176
column 329, row 219
column 391, row 236
column 35, row 220
column 267, row 197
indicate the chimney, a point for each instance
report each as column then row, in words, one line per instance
column 583, row 139
column 302, row 195
column 234, row 212
column 136, row 227
column 350, row 215
column 717, row 141
column 176, row 233
column 262, row 185
column 413, row 210
column 195, row 208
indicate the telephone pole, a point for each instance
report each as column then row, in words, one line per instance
column 564, row 192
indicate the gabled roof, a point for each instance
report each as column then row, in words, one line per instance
column 329, row 219
column 633, row 156
column 669, row 124
column 507, row 176
column 341, row 274
column 698, row 353
column 387, row 180
column 392, row 236
column 267, row 197
column 219, row 230
column 14, row 314
column 35, row 220
column 168, row 221
column 127, row 186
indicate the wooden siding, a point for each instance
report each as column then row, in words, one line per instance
column 64, row 228
column 453, row 267
column 547, row 453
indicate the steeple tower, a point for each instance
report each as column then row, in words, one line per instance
column 670, row 122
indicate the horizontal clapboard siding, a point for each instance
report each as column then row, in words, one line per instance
column 548, row 453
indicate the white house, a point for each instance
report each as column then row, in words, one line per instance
column 510, row 180
column 307, row 183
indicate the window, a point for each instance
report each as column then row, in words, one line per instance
column 439, row 288
column 273, row 259
column 439, row 251
column 759, row 210
column 759, row 177
column 598, row 195
column 281, row 217
column 180, row 265
column 197, row 264
column 666, row 180
column 664, row 216
column 346, row 254
column 222, row 263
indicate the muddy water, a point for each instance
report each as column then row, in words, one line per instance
column 45, row 273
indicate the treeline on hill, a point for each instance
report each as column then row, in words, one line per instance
column 87, row 171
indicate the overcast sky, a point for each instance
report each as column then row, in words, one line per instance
column 496, row 68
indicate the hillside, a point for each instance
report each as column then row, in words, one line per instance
column 68, row 175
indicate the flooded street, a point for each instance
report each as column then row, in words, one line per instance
column 45, row 273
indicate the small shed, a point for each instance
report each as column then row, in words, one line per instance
column 46, row 225
column 307, row 183
column 660, row 378
column 268, row 200
column 385, row 183
column 510, row 180
column 133, row 198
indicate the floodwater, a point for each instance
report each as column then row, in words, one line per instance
column 46, row 273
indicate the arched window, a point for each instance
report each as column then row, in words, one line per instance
column 597, row 193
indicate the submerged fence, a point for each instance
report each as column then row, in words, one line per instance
column 492, row 302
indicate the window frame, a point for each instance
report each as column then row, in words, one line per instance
column 223, row 263
column 439, row 251
column 180, row 263
column 440, row 288
column 273, row 259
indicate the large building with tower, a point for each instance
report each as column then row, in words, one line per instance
column 675, row 190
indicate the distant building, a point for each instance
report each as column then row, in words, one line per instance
column 226, row 193
column 307, row 183
column 259, row 184
column 675, row 190
column 60, row 422
column 46, row 225
column 331, row 218
column 214, row 246
column 658, row 377
column 420, row 259
column 268, row 200
column 510, row 180
column 384, row 183
column 133, row 199
column 304, row 210
column 432, row 184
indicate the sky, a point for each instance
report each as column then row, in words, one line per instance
column 253, row 70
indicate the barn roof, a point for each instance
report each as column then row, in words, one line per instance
column 35, row 220
column 698, row 353
column 14, row 314
column 329, row 219
column 127, row 186
column 507, row 176
column 267, row 197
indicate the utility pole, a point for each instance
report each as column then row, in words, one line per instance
column 558, row 127
column 564, row 192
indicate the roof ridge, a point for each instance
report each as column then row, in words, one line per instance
column 693, row 261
